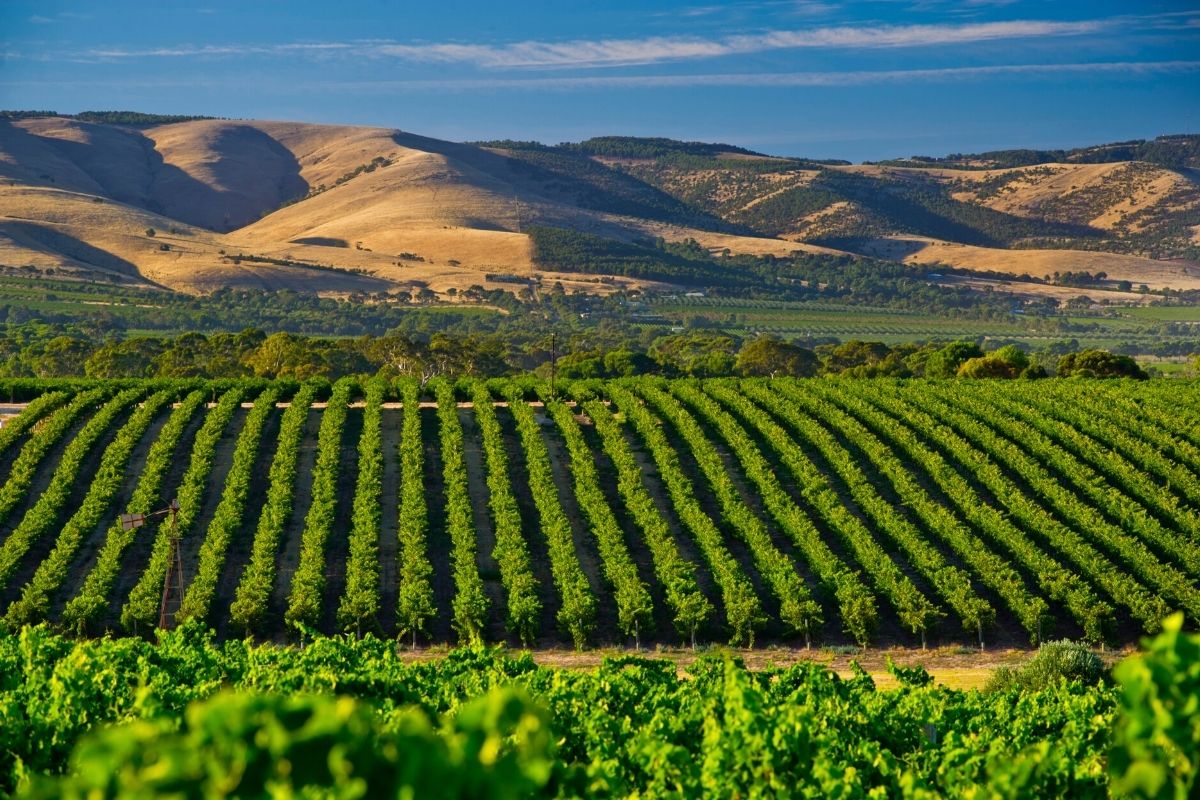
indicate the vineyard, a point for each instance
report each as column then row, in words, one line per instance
column 349, row 717
column 627, row 513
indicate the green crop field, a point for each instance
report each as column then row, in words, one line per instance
column 628, row 512
column 823, row 320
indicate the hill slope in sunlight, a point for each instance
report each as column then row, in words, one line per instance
column 204, row 203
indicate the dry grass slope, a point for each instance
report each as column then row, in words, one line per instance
column 363, row 209
column 358, row 201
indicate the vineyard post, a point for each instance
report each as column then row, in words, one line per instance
column 174, row 575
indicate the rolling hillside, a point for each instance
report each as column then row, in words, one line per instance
column 198, row 204
column 1019, row 212
column 348, row 209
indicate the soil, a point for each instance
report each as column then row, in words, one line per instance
column 607, row 629
column 191, row 540
column 953, row 667
column 539, row 555
column 437, row 538
column 389, row 520
column 713, row 629
column 662, row 628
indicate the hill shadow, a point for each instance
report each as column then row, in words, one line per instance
column 47, row 238
column 112, row 158
column 262, row 172
column 252, row 173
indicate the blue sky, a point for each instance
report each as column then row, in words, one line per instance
column 820, row 78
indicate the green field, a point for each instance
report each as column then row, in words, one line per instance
column 1164, row 313
column 823, row 320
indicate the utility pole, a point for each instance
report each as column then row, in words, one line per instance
column 172, row 593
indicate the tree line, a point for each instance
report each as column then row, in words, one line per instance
column 46, row 352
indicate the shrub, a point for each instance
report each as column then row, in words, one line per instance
column 1054, row 662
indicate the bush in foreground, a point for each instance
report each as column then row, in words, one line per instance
column 349, row 718
column 1054, row 662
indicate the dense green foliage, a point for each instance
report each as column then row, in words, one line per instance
column 511, row 728
column 1157, row 738
column 259, row 745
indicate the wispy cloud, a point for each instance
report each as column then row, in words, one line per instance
column 625, row 52
column 1132, row 69
column 39, row 19
column 187, row 50
column 783, row 80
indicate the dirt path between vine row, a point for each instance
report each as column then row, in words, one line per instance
column 89, row 549
column 751, row 499
column 539, row 553
column 714, row 627
column 288, row 557
column 888, row 627
column 1064, row 624
column 885, row 491
column 437, row 539
column 661, row 628
column 13, row 451
column 730, row 538
column 42, row 473
column 389, row 520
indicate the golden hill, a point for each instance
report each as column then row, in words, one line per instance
column 204, row 204
column 353, row 208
